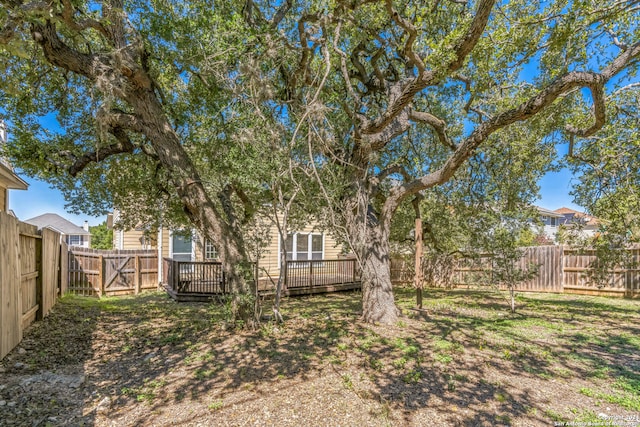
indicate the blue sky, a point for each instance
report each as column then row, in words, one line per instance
column 40, row 198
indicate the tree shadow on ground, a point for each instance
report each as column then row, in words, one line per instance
column 396, row 369
column 43, row 381
column 462, row 362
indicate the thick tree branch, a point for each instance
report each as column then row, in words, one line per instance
column 599, row 113
column 280, row 14
column 410, row 87
column 412, row 32
column 123, row 145
column 343, row 67
column 524, row 111
column 438, row 125
column 361, row 72
column 249, row 207
column 119, row 119
column 374, row 142
column 61, row 55
column 623, row 60
column 67, row 17
column 395, row 169
column 616, row 40
column 597, row 90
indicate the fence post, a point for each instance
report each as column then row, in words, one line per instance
column 561, row 268
column 63, row 272
column 310, row 273
column 100, row 276
column 224, row 282
column 136, row 280
column 39, row 289
column 256, row 273
column 418, row 276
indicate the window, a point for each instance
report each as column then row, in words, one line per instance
column 210, row 252
column 304, row 246
column 554, row 222
column 74, row 240
column 181, row 246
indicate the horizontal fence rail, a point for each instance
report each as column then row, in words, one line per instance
column 578, row 265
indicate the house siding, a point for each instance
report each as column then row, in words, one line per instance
column 269, row 259
column 268, row 262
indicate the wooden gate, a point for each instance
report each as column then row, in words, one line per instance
column 117, row 272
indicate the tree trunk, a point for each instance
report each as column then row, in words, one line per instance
column 129, row 81
column 240, row 285
column 378, row 305
column 512, row 294
column 418, row 273
column 220, row 227
column 418, row 278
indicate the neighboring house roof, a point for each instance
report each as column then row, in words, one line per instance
column 573, row 216
column 547, row 212
column 56, row 222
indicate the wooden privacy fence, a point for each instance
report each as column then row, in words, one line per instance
column 622, row 281
column 559, row 269
column 116, row 272
column 29, row 277
column 545, row 261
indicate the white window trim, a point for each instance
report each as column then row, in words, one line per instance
column 295, row 241
column 79, row 237
column 193, row 244
column 204, row 250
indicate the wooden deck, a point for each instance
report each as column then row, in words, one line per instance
column 204, row 281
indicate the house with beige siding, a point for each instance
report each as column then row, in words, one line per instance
column 8, row 179
column 308, row 243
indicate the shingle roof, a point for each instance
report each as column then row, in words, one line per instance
column 57, row 223
column 548, row 212
column 588, row 220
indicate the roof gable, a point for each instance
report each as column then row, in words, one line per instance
column 58, row 223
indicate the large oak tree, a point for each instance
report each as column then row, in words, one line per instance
column 141, row 93
column 395, row 97
column 390, row 99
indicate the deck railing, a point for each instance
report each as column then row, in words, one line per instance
column 325, row 272
column 194, row 277
column 190, row 277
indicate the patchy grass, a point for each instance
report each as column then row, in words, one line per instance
column 465, row 360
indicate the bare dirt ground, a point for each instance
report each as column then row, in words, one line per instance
column 147, row 361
